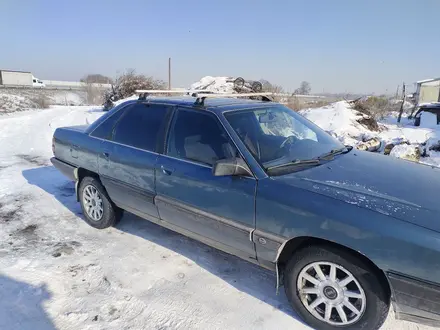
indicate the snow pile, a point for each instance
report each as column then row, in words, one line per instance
column 402, row 140
column 215, row 84
column 12, row 103
column 405, row 151
column 342, row 121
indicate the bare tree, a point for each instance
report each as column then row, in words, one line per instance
column 269, row 87
column 126, row 85
column 304, row 89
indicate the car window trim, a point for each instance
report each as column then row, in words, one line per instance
column 170, row 127
column 161, row 145
column 126, row 145
column 259, row 163
column 109, row 117
column 167, row 108
column 235, row 144
column 207, row 113
column 189, row 161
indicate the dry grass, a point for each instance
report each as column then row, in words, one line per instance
column 375, row 106
column 93, row 94
column 41, row 102
column 297, row 103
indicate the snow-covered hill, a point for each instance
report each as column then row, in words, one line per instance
column 12, row 100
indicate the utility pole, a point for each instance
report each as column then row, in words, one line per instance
column 403, row 102
column 169, row 73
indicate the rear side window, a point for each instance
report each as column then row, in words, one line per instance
column 105, row 129
column 140, row 126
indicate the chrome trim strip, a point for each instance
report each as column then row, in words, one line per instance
column 137, row 190
column 125, row 145
column 193, row 210
column 188, row 161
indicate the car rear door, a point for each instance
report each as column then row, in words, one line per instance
column 128, row 159
column 220, row 210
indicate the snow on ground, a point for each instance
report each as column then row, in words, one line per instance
column 12, row 100
column 56, row 272
column 343, row 122
column 67, row 98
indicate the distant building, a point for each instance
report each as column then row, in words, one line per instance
column 427, row 91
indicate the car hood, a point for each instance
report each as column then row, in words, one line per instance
column 384, row 184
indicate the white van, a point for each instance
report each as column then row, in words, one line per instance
column 37, row 82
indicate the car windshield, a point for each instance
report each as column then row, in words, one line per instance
column 277, row 135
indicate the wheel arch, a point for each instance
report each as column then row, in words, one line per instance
column 296, row 243
column 81, row 173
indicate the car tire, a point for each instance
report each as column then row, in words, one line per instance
column 371, row 301
column 102, row 213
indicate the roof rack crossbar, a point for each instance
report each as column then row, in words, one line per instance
column 144, row 93
column 201, row 97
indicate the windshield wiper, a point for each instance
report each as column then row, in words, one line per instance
column 334, row 152
column 314, row 161
column 297, row 162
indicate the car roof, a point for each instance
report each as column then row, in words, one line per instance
column 430, row 105
column 216, row 105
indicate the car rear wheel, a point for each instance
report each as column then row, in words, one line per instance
column 99, row 211
column 332, row 289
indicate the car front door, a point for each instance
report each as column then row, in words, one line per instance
column 220, row 209
column 128, row 160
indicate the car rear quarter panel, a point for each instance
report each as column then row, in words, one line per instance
column 287, row 212
column 77, row 148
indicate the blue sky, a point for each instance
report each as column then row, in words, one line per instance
column 336, row 45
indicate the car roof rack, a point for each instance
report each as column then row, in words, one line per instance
column 201, row 95
column 144, row 93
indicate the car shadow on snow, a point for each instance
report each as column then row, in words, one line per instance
column 21, row 305
column 243, row 275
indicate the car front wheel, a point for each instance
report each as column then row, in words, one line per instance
column 333, row 289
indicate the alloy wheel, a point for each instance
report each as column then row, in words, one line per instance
column 93, row 203
column 331, row 293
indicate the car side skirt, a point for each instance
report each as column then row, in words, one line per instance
column 415, row 300
column 195, row 236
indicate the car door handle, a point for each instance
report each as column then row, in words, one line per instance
column 106, row 155
column 166, row 170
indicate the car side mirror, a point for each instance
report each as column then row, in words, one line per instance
column 231, row 166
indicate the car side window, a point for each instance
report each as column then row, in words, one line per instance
column 105, row 129
column 199, row 137
column 140, row 126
